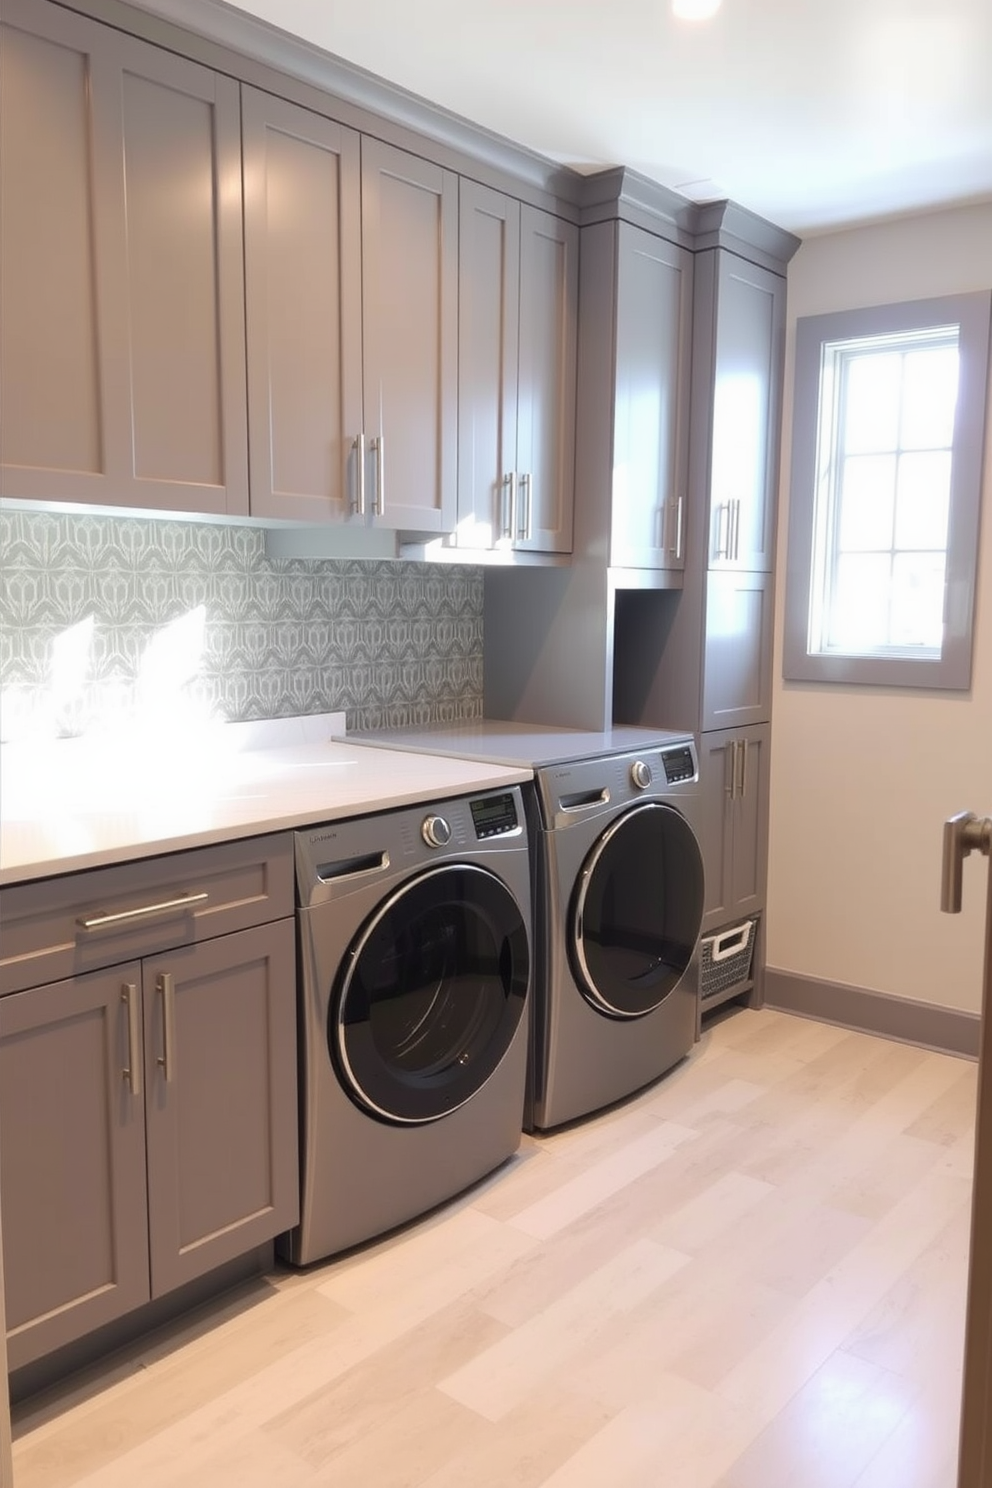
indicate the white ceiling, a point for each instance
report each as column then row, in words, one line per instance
column 812, row 113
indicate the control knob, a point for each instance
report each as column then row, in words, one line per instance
column 435, row 831
column 640, row 774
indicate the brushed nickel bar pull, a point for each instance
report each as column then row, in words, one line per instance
column 132, row 1074
column 379, row 502
column 524, row 531
column 731, row 789
column 508, row 504
column 679, row 508
column 723, row 543
column 358, row 446
column 963, row 834
column 166, row 987
column 743, row 791
column 735, row 545
column 105, row 919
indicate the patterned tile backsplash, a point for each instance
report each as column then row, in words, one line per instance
column 107, row 619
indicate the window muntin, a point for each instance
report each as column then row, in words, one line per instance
column 890, row 406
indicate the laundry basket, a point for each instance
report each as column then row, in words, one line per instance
column 725, row 960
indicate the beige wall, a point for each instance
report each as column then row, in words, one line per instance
column 863, row 778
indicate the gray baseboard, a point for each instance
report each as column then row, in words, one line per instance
column 947, row 1030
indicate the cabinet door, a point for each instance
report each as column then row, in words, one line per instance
column 651, row 431
column 549, row 287
column 733, row 831
column 220, row 1070
column 737, row 649
column 303, row 309
column 744, row 313
column 72, row 1159
column 410, row 338
column 488, row 304
column 122, row 364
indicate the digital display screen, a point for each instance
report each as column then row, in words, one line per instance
column 679, row 765
column 494, row 814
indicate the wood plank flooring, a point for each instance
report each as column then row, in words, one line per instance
column 751, row 1275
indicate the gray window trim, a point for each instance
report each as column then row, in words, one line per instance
column 953, row 669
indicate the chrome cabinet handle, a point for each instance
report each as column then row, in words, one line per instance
column 722, row 541
column 736, row 543
column 106, row 918
column 731, row 789
column 165, row 986
column 132, row 1074
column 524, row 529
column 679, row 509
column 358, row 445
column 743, row 790
column 963, row 834
column 508, row 505
column 379, row 502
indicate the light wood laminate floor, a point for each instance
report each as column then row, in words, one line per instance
column 751, row 1275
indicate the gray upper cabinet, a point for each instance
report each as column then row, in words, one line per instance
column 739, row 331
column 634, row 381
column 303, row 279
column 518, row 290
column 405, row 459
column 122, row 373
column 737, row 654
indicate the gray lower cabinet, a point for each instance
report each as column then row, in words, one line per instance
column 733, row 773
column 122, row 348
column 634, row 381
column 148, row 1108
column 518, row 293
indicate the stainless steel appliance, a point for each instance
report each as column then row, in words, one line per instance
column 415, row 959
column 618, row 903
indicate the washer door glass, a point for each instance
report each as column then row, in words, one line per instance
column 637, row 909
column 430, row 994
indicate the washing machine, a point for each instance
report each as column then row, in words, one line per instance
column 415, row 965
column 618, row 903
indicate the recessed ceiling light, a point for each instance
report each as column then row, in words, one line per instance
column 694, row 10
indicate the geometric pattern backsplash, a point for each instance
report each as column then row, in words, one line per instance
column 106, row 619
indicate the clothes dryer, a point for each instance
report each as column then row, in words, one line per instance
column 415, row 966
column 617, row 899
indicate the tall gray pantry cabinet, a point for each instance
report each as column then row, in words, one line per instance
column 147, row 1082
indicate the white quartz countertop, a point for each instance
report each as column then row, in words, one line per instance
column 512, row 743
column 86, row 803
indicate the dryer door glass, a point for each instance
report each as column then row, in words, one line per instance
column 637, row 909
column 430, row 994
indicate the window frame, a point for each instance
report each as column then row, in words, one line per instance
column 972, row 312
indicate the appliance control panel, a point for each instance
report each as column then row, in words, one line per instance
column 680, row 763
column 495, row 816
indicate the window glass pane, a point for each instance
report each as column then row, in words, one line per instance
column 923, row 500
column 871, row 404
column 859, row 611
column 867, row 502
column 918, row 600
column 930, row 389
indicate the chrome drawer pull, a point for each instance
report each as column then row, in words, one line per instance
column 166, row 987
column 107, row 918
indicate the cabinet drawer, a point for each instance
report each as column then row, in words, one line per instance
column 59, row 927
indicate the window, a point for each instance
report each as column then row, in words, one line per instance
column 888, row 424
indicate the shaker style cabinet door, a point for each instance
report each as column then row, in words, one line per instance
column 303, row 286
column 122, row 318
column 733, row 772
column 408, row 477
column 517, row 300
column 737, row 649
column 549, row 298
column 740, row 335
column 650, row 419
column 72, row 1159
column 220, row 1070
